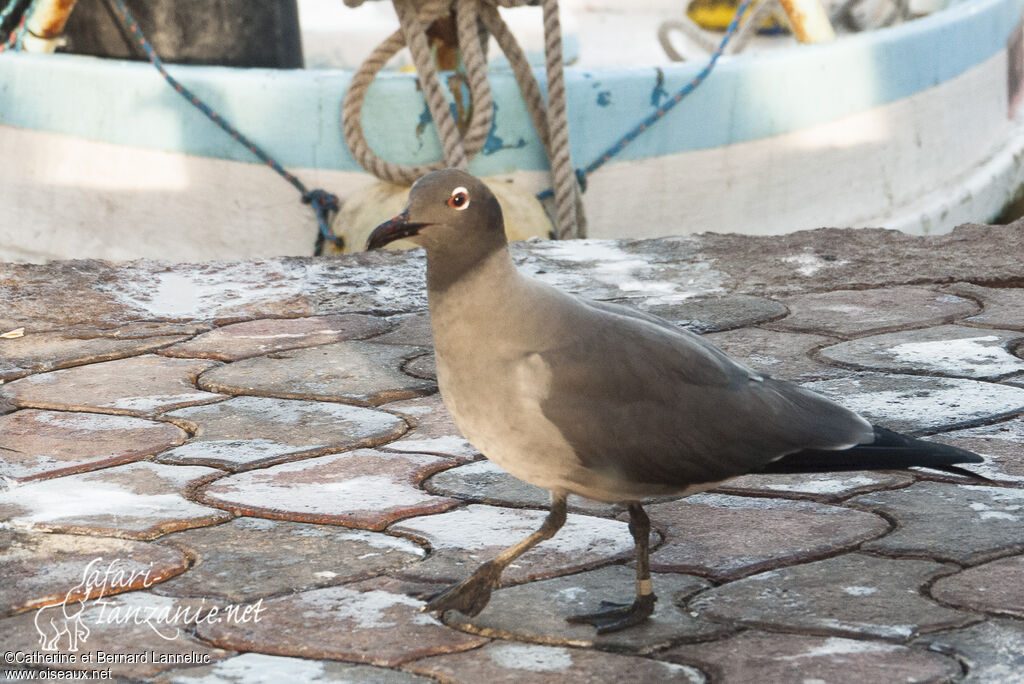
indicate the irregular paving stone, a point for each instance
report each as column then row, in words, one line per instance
column 855, row 259
column 508, row 661
column 992, row 650
column 143, row 385
column 485, row 482
column 364, row 488
column 245, row 432
column 252, row 557
column 712, row 314
column 138, row 500
column 255, row 338
column 913, row 403
column 363, row 373
column 827, row 486
column 41, row 569
column 964, row 523
column 42, row 444
column 951, row 350
column 140, row 329
column 849, row 595
column 1003, row 307
column 728, row 536
column 410, row 329
column 423, row 366
column 373, row 621
column 761, row 657
column 853, row 313
column 1002, row 445
column 254, row 668
column 40, row 352
column 151, row 630
column 463, row 539
column 536, row 611
column 994, row 587
column 784, row 355
column 433, row 431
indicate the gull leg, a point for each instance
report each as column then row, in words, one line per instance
column 616, row 616
column 470, row 597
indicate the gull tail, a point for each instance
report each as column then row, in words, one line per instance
column 889, row 451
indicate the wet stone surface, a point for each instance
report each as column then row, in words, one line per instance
column 853, row 595
column 823, row 486
column 142, row 386
column 433, row 431
column 761, row 657
column 408, row 329
column 502, row 661
column 255, row 338
column 375, row 621
column 257, row 667
column 365, row 488
column 247, row 432
column 962, row 523
column 338, row 600
column 138, row 500
column 363, row 373
column 536, row 611
column 36, row 353
column 485, row 482
column 725, row 536
column 950, row 350
column 856, row 313
column 992, row 650
column 44, row 444
column 921, row 404
column 1003, row 306
column 993, row 587
column 1001, row 444
column 463, row 539
column 43, row 569
column 248, row 558
column 713, row 314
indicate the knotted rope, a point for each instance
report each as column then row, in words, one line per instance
column 475, row 20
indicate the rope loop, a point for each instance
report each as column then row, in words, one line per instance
column 475, row 20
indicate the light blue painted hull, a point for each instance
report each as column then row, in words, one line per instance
column 295, row 115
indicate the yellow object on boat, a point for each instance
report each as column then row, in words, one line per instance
column 715, row 15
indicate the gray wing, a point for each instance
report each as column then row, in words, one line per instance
column 641, row 399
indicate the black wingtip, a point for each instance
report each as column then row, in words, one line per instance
column 889, row 451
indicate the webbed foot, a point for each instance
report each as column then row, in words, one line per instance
column 616, row 616
column 470, row 596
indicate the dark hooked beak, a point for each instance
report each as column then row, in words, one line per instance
column 395, row 229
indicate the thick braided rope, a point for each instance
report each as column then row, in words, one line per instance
column 470, row 15
column 522, row 70
column 564, row 176
column 472, row 42
column 413, row 32
column 416, row 39
column 352, row 125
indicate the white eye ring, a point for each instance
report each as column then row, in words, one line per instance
column 459, row 199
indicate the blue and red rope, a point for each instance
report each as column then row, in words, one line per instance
column 322, row 202
column 661, row 111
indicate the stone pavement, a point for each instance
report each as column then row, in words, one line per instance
column 242, row 472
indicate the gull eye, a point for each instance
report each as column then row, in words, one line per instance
column 459, row 199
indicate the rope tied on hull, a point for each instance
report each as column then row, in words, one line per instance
column 475, row 20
